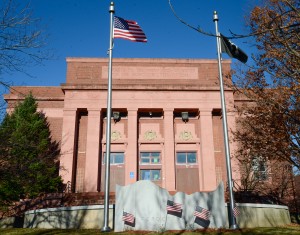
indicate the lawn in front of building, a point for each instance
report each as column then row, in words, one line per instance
column 287, row 230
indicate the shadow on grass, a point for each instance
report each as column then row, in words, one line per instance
column 288, row 230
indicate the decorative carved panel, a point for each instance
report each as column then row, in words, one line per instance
column 116, row 135
column 185, row 135
column 150, row 135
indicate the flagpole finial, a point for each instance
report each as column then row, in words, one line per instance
column 215, row 16
column 112, row 7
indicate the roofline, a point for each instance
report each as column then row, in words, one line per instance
column 152, row 60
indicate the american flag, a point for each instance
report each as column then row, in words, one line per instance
column 202, row 213
column 236, row 211
column 127, row 217
column 173, row 207
column 128, row 29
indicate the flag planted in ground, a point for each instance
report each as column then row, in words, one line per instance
column 128, row 218
column 129, row 30
column 202, row 213
column 236, row 211
column 202, row 216
column 174, row 208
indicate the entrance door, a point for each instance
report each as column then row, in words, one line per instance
column 117, row 171
column 187, row 172
column 150, row 167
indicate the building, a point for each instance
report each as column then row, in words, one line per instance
column 166, row 122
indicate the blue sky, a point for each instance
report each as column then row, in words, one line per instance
column 80, row 28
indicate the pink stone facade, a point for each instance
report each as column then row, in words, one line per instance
column 150, row 140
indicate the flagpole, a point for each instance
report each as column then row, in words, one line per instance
column 232, row 222
column 106, row 227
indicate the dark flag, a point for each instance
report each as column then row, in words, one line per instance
column 232, row 50
column 128, row 219
column 128, row 29
column 236, row 211
column 174, row 208
column 202, row 216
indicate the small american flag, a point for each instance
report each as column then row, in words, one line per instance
column 127, row 217
column 173, row 207
column 202, row 213
column 236, row 211
column 128, row 29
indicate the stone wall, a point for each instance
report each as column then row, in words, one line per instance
column 91, row 217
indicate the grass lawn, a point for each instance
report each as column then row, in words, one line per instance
column 288, row 230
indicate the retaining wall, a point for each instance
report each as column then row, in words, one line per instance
column 262, row 215
column 91, row 217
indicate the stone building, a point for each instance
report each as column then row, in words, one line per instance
column 166, row 122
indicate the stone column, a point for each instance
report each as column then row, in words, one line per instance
column 67, row 144
column 92, row 151
column 169, row 146
column 131, row 156
column 236, row 177
column 207, row 170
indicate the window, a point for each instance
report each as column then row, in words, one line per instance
column 150, row 166
column 149, row 158
column 150, row 174
column 259, row 167
column 115, row 158
column 186, row 158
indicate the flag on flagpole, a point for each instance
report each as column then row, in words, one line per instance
column 173, row 207
column 202, row 216
column 232, row 50
column 128, row 29
column 128, row 218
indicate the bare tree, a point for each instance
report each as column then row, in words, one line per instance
column 21, row 39
column 272, row 127
column 269, row 93
column 22, row 43
column 269, row 111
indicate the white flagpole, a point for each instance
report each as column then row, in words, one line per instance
column 106, row 227
column 232, row 222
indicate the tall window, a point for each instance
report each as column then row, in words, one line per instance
column 150, row 166
column 186, row 158
column 259, row 167
column 115, row 158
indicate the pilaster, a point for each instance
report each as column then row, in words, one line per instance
column 67, row 145
column 92, row 151
column 131, row 156
column 207, row 171
column 236, row 177
column 169, row 159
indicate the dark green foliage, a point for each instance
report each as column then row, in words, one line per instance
column 28, row 157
